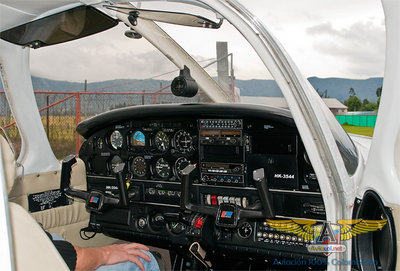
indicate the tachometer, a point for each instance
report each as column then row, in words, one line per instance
column 183, row 141
column 138, row 166
column 162, row 168
column 115, row 161
column 116, row 139
column 161, row 141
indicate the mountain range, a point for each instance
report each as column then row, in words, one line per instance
column 333, row 87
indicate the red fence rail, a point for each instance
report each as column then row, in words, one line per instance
column 67, row 109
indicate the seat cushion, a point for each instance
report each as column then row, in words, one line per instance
column 33, row 249
column 8, row 162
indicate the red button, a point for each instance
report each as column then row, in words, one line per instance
column 214, row 200
column 198, row 223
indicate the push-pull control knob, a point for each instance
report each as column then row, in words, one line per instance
column 157, row 221
column 142, row 222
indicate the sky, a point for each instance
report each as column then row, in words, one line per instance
column 329, row 38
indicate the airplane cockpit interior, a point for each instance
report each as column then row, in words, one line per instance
column 207, row 182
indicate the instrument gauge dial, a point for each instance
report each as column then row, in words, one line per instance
column 183, row 141
column 116, row 140
column 115, row 161
column 180, row 164
column 161, row 141
column 176, row 227
column 138, row 166
column 162, row 168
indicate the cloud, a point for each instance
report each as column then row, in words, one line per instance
column 360, row 46
column 330, row 39
column 103, row 57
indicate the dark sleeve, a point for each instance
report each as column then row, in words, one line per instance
column 66, row 250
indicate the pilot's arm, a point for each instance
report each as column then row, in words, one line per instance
column 79, row 258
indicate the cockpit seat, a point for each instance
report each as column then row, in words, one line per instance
column 32, row 249
column 9, row 163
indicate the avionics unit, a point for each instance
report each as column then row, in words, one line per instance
column 221, row 150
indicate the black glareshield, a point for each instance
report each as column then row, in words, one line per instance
column 184, row 85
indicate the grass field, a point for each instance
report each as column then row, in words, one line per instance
column 61, row 134
column 358, row 130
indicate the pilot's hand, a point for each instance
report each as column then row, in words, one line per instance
column 92, row 258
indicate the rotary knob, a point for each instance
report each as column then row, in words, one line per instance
column 245, row 230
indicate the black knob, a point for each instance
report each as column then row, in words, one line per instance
column 158, row 221
column 245, row 230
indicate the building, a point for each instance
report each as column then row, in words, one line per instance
column 333, row 104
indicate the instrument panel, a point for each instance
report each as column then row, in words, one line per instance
column 152, row 150
column 226, row 143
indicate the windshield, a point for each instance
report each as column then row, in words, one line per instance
column 119, row 68
column 76, row 80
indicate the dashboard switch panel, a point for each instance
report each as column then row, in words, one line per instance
column 221, row 124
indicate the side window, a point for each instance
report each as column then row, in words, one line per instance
column 7, row 121
column 59, row 115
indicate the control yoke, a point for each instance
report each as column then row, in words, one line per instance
column 227, row 214
column 262, row 187
column 96, row 200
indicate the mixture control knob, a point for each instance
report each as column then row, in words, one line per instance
column 142, row 222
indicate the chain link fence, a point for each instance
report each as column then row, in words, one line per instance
column 6, row 119
column 62, row 111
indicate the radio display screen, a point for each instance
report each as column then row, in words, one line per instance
column 222, row 133
column 216, row 153
column 209, row 132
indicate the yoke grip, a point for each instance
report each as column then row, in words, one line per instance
column 66, row 168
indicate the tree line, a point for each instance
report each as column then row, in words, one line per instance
column 354, row 103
